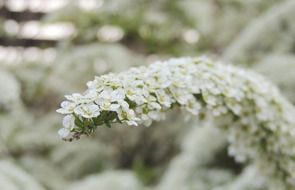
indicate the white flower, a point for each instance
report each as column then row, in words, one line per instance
column 103, row 104
column 154, row 106
column 64, row 133
column 136, row 95
column 154, row 115
column 182, row 96
column 124, row 105
column 114, row 107
column 110, row 95
column 66, row 107
column 117, row 95
column 128, row 116
column 193, row 107
column 69, row 122
column 87, row 110
column 210, row 99
column 75, row 97
column 90, row 95
column 146, row 120
column 106, row 93
column 134, row 123
column 164, row 98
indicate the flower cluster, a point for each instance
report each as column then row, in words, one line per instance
column 259, row 124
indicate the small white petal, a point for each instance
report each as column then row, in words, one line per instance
column 69, row 122
column 114, row 107
column 64, row 133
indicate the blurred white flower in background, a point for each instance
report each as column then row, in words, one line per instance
column 9, row 91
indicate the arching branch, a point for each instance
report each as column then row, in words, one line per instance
column 257, row 119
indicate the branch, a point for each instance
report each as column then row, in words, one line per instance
column 272, row 31
column 259, row 121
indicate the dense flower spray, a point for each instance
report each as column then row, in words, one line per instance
column 259, row 120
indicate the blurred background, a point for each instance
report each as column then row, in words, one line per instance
column 49, row 48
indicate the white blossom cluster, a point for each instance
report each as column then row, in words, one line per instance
column 260, row 120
